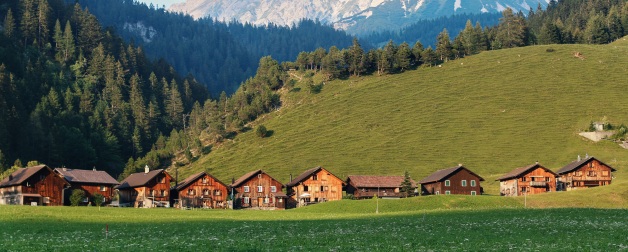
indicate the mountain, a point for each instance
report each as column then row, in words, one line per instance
column 354, row 16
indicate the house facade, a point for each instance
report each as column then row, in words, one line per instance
column 531, row 179
column 313, row 186
column 366, row 187
column 455, row 180
column 201, row 190
column 145, row 189
column 37, row 185
column 90, row 181
column 258, row 190
column 584, row 173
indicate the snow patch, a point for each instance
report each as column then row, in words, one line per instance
column 457, row 4
column 376, row 3
column 525, row 6
column 418, row 5
column 484, row 10
column 366, row 14
column 500, row 7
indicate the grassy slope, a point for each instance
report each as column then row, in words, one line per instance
column 491, row 112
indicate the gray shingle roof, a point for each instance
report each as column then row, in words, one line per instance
column 139, row 179
column 367, row 181
column 521, row 170
column 444, row 173
column 86, row 176
column 577, row 164
column 307, row 174
column 20, row 175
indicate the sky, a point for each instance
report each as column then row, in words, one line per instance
column 161, row 2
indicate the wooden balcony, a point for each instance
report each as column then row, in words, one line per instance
column 538, row 183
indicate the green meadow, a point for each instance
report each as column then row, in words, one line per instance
column 450, row 223
column 491, row 112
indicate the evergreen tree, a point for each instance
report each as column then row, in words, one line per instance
column 596, row 31
column 43, row 12
column 9, row 24
column 443, row 46
column 406, row 189
column 356, row 55
column 511, row 31
column 615, row 27
column 417, row 50
column 403, row 56
column 28, row 23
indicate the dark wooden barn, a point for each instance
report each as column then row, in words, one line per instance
column 258, row 190
column 37, row 185
column 583, row 173
column 90, row 181
column 200, row 190
column 455, row 180
column 364, row 186
column 145, row 189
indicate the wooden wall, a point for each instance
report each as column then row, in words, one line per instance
column 47, row 184
column 455, row 184
column 591, row 174
column 535, row 181
column 322, row 186
column 216, row 197
column 90, row 190
column 256, row 199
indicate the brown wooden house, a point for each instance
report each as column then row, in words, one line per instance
column 455, row 180
column 363, row 186
column 258, row 190
column 90, row 181
column 145, row 189
column 531, row 179
column 313, row 186
column 37, row 185
column 583, row 173
column 201, row 190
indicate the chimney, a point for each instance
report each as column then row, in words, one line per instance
column 587, row 156
column 146, row 169
column 65, row 169
column 10, row 177
column 290, row 177
column 94, row 168
column 459, row 165
column 537, row 162
column 579, row 158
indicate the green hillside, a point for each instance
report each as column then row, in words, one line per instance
column 492, row 112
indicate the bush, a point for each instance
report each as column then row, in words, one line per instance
column 98, row 199
column 549, row 50
column 315, row 88
column 77, row 197
column 261, row 131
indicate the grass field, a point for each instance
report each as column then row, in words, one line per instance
column 324, row 227
column 492, row 112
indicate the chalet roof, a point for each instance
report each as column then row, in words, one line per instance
column 86, row 176
column 577, row 164
column 518, row 172
column 360, row 181
column 139, row 179
column 307, row 174
column 444, row 173
column 189, row 180
column 249, row 175
column 22, row 174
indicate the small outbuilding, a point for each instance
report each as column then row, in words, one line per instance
column 90, row 181
column 531, row 179
column 455, row 180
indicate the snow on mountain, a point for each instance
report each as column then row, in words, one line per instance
column 355, row 16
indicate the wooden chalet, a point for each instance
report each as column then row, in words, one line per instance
column 455, row 180
column 363, row 186
column 531, row 179
column 37, row 185
column 200, row 190
column 90, row 181
column 313, row 186
column 583, row 173
column 145, row 189
column 258, row 190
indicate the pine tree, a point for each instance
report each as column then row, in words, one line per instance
column 403, row 56
column 9, row 24
column 596, row 31
column 67, row 44
column 175, row 104
column 43, row 11
column 443, row 46
column 356, row 54
column 417, row 50
column 28, row 23
column 615, row 27
column 136, row 100
column 406, row 189
column 512, row 30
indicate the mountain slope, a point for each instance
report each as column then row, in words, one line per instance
column 355, row 16
column 492, row 112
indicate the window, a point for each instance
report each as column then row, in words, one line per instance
column 246, row 189
column 191, row 192
column 314, row 177
column 307, row 188
column 579, row 173
column 152, row 192
column 605, row 173
column 523, row 179
column 591, row 174
column 103, row 188
column 29, row 184
column 437, row 192
column 266, row 200
column 206, row 192
column 204, row 181
column 315, row 199
column 42, row 176
column 273, row 189
column 246, row 200
column 447, row 182
column 260, row 188
column 161, row 179
column 326, row 188
column 447, row 192
column 163, row 193
column 547, row 179
column 217, row 192
column 591, row 164
column 259, row 176
column 463, row 182
column 322, row 189
column 473, row 193
column 472, row 183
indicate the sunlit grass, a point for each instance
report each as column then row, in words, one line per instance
column 492, row 112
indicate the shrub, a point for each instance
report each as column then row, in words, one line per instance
column 549, row 50
column 315, row 88
column 98, row 199
column 261, row 131
column 77, row 196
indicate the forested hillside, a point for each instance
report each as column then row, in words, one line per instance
column 75, row 95
column 220, row 55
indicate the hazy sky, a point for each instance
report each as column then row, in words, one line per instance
column 162, row 2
